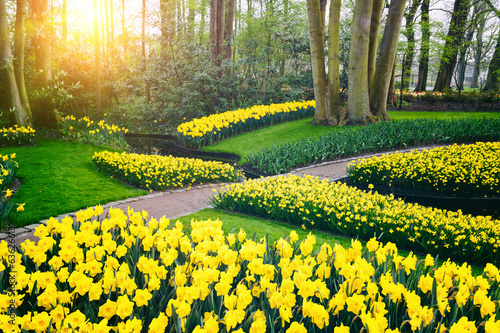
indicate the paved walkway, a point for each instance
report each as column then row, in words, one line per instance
column 176, row 203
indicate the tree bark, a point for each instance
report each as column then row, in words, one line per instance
column 317, row 44
column 41, row 42
column 392, row 100
column 7, row 77
column 358, row 102
column 423, row 65
column 453, row 41
column 213, row 30
column 147, row 89
column 493, row 78
column 478, row 50
column 462, row 61
column 221, row 16
column 229, row 28
column 410, row 49
column 380, row 86
column 378, row 7
column 19, row 55
column 333, row 102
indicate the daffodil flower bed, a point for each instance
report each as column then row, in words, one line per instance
column 465, row 169
column 381, row 136
column 8, row 169
column 307, row 202
column 17, row 136
column 157, row 172
column 129, row 273
column 204, row 131
column 98, row 133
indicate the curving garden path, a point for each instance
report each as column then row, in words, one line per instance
column 176, row 203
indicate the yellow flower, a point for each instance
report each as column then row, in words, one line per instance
column 108, row 309
column 20, row 207
column 295, row 327
column 142, row 297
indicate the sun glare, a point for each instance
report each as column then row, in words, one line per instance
column 81, row 16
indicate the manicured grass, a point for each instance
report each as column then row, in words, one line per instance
column 59, row 177
column 252, row 142
column 233, row 222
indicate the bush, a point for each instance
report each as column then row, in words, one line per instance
column 336, row 207
column 381, row 136
column 128, row 273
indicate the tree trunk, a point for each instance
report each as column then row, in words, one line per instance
column 358, row 102
column 380, row 86
column 333, row 102
column 423, row 66
column 453, row 42
column 19, row 55
column 213, row 30
column 13, row 101
column 478, row 50
column 97, row 47
column 42, row 42
column 392, row 100
column 493, row 78
column 191, row 14
column 378, row 7
column 124, row 29
column 221, row 16
column 147, row 89
column 229, row 28
column 106, row 23
column 462, row 61
column 317, row 44
column 410, row 49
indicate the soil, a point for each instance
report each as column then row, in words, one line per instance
column 448, row 106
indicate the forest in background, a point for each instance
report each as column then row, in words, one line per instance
column 137, row 62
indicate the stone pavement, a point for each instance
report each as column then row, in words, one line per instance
column 176, row 203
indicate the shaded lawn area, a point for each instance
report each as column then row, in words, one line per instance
column 59, row 177
column 252, row 142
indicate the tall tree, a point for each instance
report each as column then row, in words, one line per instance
column 317, row 45
column 19, row 55
column 333, row 101
column 19, row 116
column 228, row 36
column 453, row 41
column 478, row 49
column 493, row 77
column 42, row 42
column 423, row 64
column 359, row 102
column 410, row 38
column 147, row 90
column 378, row 6
column 97, row 51
column 380, row 86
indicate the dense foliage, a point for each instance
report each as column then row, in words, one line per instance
column 157, row 172
column 375, row 137
column 128, row 273
column 464, row 169
column 336, row 207
column 204, row 131
column 17, row 136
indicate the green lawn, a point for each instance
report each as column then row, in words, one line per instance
column 249, row 143
column 59, row 177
